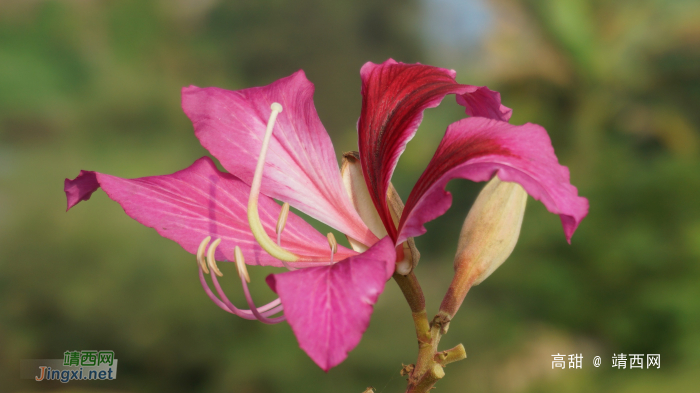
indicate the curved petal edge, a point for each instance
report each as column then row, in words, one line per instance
column 477, row 149
column 202, row 201
column 394, row 96
column 329, row 307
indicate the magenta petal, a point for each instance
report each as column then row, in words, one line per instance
column 477, row 149
column 484, row 102
column 329, row 307
column 201, row 201
column 394, row 96
column 301, row 167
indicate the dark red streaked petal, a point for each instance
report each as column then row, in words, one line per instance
column 394, row 96
column 477, row 149
column 202, row 201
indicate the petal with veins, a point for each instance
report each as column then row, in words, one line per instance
column 201, row 201
column 300, row 166
column 477, row 149
column 329, row 307
column 394, row 96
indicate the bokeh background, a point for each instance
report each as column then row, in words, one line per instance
column 96, row 85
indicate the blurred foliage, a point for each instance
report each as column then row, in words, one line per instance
column 95, row 85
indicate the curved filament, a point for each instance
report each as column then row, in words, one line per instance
column 279, row 242
column 256, row 226
column 262, row 314
column 243, row 273
column 267, row 310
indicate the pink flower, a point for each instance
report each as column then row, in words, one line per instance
column 274, row 146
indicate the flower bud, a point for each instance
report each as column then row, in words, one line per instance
column 490, row 231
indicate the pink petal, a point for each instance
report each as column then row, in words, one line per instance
column 301, row 167
column 394, row 96
column 484, row 102
column 201, row 201
column 477, row 149
column 329, row 307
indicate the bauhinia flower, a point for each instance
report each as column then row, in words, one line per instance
column 274, row 147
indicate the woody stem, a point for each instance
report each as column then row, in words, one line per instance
column 416, row 301
column 429, row 364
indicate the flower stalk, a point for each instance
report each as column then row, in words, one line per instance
column 430, row 363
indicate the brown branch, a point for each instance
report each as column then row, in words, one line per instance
column 429, row 364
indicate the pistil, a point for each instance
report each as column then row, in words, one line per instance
column 253, row 215
column 256, row 227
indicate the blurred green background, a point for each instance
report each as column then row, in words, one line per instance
column 96, row 85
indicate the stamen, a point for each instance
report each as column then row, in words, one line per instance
column 245, row 279
column 272, row 308
column 261, row 313
column 333, row 244
column 280, row 228
column 210, row 258
column 281, row 222
column 253, row 216
column 240, row 264
column 200, row 254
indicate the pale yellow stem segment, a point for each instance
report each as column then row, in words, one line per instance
column 256, row 226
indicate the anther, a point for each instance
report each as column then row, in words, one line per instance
column 210, row 258
column 200, row 254
column 282, row 221
column 240, row 264
column 333, row 244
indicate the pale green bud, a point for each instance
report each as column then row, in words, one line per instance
column 490, row 231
